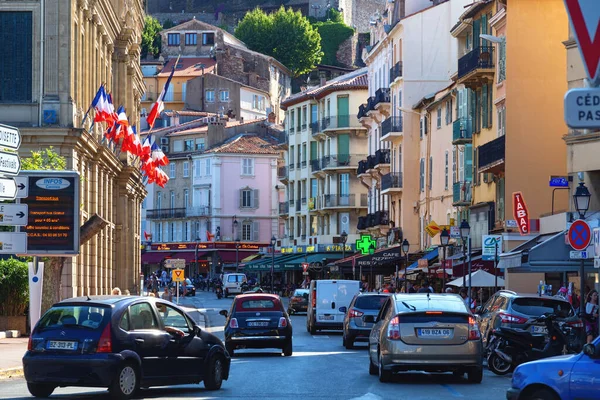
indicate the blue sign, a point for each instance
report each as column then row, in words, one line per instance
column 559, row 181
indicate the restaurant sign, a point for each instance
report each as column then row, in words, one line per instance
column 380, row 258
column 319, row 248
column 206, row 246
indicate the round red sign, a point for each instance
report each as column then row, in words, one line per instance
column 580, row 235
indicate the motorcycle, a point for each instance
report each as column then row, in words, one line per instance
column 509, row 347
column 219, row 291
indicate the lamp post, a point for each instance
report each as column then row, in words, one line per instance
column 465, row 233
column 344, row 237
column 234, row 226
column 196, row 255
column 405, row 247
column 237, row 249
column 581, row 198
column 273, row 242
column 444, row 240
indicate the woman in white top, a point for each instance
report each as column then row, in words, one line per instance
column 591, row 320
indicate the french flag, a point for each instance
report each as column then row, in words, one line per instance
column 146, row 149
column 158, row 157
column 100, row 104
column 159, row 106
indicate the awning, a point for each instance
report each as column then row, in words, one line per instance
column 250, row 258
column 429, row 256
column 155, row 257
column 229, row 257
column 514, row 258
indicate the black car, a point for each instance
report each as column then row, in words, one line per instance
column 257, row 321
column 356, row 329
column 122, row 343
column 298, row 301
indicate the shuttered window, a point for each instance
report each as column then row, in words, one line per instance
column 248, row 198
column 502, row 60
column 422, row 175
column 484, row 106
column 16, row 35
column 431, row 170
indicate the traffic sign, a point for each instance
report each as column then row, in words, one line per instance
column 22, row 186
column 559, row 181
column 585, row 18
column 582, row 108
column 178, row 275
column 13, row 214
column 579, row 235
column 8, row 189
column 10, row 163
column 13, row 243
column 178, row 263
column 10, row 137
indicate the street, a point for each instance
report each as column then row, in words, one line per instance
column 320, row 368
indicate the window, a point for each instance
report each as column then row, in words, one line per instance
column 248, row 198
column 186, row 169
column 142, row 317
column 501, row 112
column 258, row 103
column 186, row 198
column 448, row 112
column 439, row 117
column 159, row 200
column 250, row 231
column 502, row 60
column 188, row 145
column 158, row 235
column 173, row 318
column 172, row 170
column 446, row 162
column 183, row 91
column 172, row 199
column 210, row 96
column 207, row 167
column 422, row 175
column 431, row 170
column 224, row 96
column 186, row 227
column 291, row 124
column 197, row 170
column 17, row 41
column 173, row 39
column 190, row 39
column 208, row 38
column 200, row 143
column 248, row 166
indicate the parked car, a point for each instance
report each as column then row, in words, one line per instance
column 298, row 301
column 509, row 309
column 121, row 343
column 356, row 329
column 327, row 299
column 425, row 332
column 257, row 321
column 232, row 283
column 568, row 377
column 185, row 288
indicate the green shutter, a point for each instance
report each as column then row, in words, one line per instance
column 476, row 32
column 343, row 112
column 313, row 151
column 484, row 106
column 469, row 162
column 343, row 148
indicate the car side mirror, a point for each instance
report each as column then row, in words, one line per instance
column 343, row 309
column 590, row 350
column 197, row 330
column 223, row 313
column 370, row 318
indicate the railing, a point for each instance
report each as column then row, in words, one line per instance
column 370, row 104
column 338, row 160
column 166, row 213
column 462, row 131
column 391, row 124
column 396, row 71
column 304, row 164
column 314, row 127
column 461, row 192
column 370, row 162
column 393, row 180
column 303, row 200
column 315, row 165
column 198, row 211
column 291, row 131
column 382, row 156
column 304, row 126
column 480, row 57
column 362, row 167
column 382, row 95
column 492, row 152
column 282, row 172
column 381, row 218
column 303, row 236
column 338, row 200
column 339, row 122
column 362, row 223
column 291, row 167
column 284, row 208
column 362, row 111
column 291, row 201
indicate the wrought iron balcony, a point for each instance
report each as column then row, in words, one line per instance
column 198, row 211
column 362, row 167
column 382, row 156
column 462, row 193
column 339, row 161
column 362, row 111
column 491, row 155
column 292, row 202
column 315, row 165
column 370, row 104
column 390, row 181
column 479, row 58
column 362, row 223
column 304, row 126
column 396, row 71
column 381, row 218
column 382, row 95
column 304, row 164
column 291, row 167
column 166, row 213
column 370, row 162
column 303, row 200
column 462, row 131
column 291, row 131
column 391, row 126
column 314, row 127
column 284, row 208
column 338, row 200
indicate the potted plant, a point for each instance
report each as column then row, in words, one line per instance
column 14, row 292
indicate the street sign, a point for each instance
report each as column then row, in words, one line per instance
column 178, row 263
column 579, row 255
column 520, row 213
column 579, row 235
column 559, row 181
column 13, row 243
column 585, row 16
column 22, row 183
column 8, row 189
column 582, row 108
column 10, row 137
column 454, row 232
column 13, row 214
column 433, row 229
column 596, row 262
column 178, row 275
column 489, row 246
column 10, row 163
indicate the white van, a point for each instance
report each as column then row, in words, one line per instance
column 325, row 300
column 232, row 283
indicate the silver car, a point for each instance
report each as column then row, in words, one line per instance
column 355, row 327
column 425, row 332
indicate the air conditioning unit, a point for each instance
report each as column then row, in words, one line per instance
column 164, row 140
column 165, row 149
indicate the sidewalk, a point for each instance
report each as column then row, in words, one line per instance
column 12, row 351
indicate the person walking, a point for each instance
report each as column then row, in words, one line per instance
column 167, row 295
column 591, row 315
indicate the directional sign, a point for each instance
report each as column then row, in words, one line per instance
column 10, row 137
column 582, row 108
column 22, row 186
column 178, row 275
column 13, row 214
column 559, row 181
column 10, row 163
column 585, row 18
column 13, row 243
column 175, row 263
column 579, row 235
column 8, row 189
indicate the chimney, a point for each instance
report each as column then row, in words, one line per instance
column 323, row 78
column 216, row 133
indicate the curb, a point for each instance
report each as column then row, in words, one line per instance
column 11, row 373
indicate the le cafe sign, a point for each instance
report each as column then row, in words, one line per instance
column 204, row 246
column 380, row 257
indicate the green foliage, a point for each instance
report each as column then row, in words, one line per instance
column 151, row 41
column 333, row 34
column 44, row 159
column 14, row 287
column 285, row 35
column 334, row 15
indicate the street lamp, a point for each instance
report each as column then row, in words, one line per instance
column 405, row 247
column 344, row 237
column 444, row 240
column 465, row 233
column 581, row 198
column 273, row 242
column 237, row 249
column 234, row 227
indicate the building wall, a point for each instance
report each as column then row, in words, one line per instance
column 194, row 94
column 248, row 109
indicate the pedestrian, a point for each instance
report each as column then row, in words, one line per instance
column 591, row 315
column 167, row 295
column 163, row 278
column 470, row 304
column 426, row 288
column 449, row 290
column 116, row 291
column 127, row 292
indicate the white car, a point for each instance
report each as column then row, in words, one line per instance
column 232, row 283
column 328, row 300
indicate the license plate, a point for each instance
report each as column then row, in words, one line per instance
column 258, row 323
column 326, row 317
column 435, row 333
column 539, row 329
column 60, row 345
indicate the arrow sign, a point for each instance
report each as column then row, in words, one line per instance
column 10, row 163
column 10, row 137
column 22, row 186
column 14, row 214
column 8, row 189
column 585, row 18
column 13, row 243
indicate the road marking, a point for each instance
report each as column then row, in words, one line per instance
column 368, row 396
column 321, row 337
column 452, row 391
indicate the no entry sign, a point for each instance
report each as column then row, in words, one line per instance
column 580, row 235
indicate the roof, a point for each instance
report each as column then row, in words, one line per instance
column 356, row 80
column 245, row 144
column 274, row 60
column 188, row 66
column 200, row 25
column 475, row 8
column 202, row 127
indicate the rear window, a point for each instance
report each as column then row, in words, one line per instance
column 536, row 307
column 236, row 278
column 301, row 293
column 69, row 316
column 258, row 305
column 370, row 302
column 447, row 305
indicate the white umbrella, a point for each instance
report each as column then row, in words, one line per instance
column 480, row 278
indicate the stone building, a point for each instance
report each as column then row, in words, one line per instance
column 59, row 55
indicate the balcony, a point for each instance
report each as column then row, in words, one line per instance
column 362, row 111
column 462, row 193
column 340, row 122
column 199, row 211
column 298, row 206
column 166, row 213
column 491, row 156
column 396, row 71
column 391, row 183
column 304, row 126
column 314, row 128
column 475, row 65
column 391, row 128
column 382, row 99
column 370, row 105
column 303, row 200
column 304, row 164
column 282, row 173
column 380, row 218
column 340, row 161
column 284, row 208
column 315, row 165
column 362, row 223
column 291, row 167
column 363, row 167
column 382, row 158
column 462, row 131
column 338, row 201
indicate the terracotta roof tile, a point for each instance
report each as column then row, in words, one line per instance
column 188, row 66
column 245, row 144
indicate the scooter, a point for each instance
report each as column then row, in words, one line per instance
column 219, row 291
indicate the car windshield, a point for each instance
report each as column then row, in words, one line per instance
column 536, row 307
column 58, row 317
column 370, row 302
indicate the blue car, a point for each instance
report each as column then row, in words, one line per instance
column 572, row 377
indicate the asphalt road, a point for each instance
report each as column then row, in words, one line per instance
column 320, row 368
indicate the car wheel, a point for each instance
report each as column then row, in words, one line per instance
column 349, row 343
column 125, row 383
column 230, row 347
column 542, row 394
column 498, row 365
column 288, row 349
column 384, row 374
column 214, row 376
column 475, row 375
column 372, row 367
column 312, row 330
column 40, row 389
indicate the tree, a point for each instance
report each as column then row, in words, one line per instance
column 45, row 159
column 256, row 30
column 14, row 287
column 151, row 40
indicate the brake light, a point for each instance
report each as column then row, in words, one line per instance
column 473, row 329
column 575, row 324
column 393, row 332
column 282, row 322
column 105, row 342
column 233, row 324
column 513, row 319
column 30, row 343
column 314, row 299
column 354, row 313
column 433, row 312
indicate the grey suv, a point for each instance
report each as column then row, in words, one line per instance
column 514, row 310
column 355, row 327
